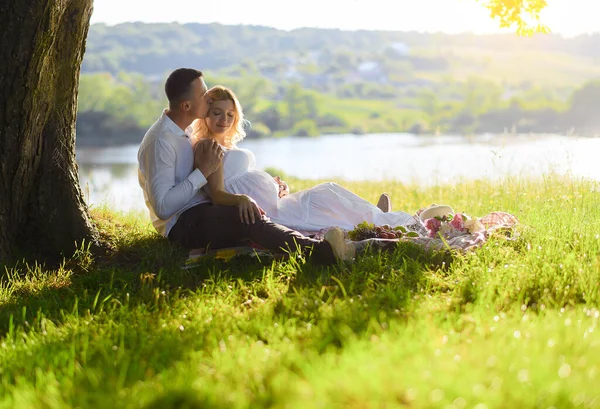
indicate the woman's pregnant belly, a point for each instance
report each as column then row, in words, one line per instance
column 260, row 186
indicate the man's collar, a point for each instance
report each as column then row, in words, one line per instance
column 173, row 127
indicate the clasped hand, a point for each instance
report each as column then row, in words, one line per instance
column 284, row 189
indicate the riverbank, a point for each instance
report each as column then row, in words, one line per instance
column 513, row 324
column 109, row 175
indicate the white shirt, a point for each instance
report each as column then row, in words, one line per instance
column 167, row 175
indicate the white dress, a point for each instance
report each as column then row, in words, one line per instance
column 311, row 210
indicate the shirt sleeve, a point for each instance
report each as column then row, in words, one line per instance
column 157, row 164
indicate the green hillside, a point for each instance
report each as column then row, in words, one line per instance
column 313, row 81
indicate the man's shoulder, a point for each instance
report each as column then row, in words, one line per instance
column 156, row 133
column 156, row 130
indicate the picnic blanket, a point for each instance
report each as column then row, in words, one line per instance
column 462, row 241
column 196, row 256
column 454, row 239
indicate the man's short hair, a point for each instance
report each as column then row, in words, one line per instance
column 179, row 84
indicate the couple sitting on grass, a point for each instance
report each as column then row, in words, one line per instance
column 205, row 192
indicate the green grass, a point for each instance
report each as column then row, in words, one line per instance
column 511, row 325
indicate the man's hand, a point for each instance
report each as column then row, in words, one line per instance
column 207, row 156
column 249, row 209
column 284, row 189
column 204, row 106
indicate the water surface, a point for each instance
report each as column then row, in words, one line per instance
column 109, row 175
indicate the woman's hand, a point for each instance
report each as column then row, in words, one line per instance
column 284, row 189
column 249, row 209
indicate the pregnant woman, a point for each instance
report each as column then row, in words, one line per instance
column 238, row 182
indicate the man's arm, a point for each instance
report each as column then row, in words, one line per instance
column 157, row 162
column 249, row 210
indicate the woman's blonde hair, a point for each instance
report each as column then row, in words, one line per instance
column 237, row 132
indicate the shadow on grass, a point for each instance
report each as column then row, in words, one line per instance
column 184, row 399
column 134, row 269
column 375, row 289
column 119, row 359
column 138, row 268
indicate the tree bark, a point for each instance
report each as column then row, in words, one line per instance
column 42, row 211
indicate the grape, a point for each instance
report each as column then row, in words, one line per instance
column 365, row 231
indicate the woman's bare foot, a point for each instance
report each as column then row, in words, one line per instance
column 385, row 203
column 342, row 250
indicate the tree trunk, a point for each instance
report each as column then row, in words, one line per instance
column 42, row 211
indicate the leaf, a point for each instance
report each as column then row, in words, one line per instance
column 365, row 225
column 524, row 14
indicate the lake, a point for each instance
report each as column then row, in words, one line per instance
column 109, row 175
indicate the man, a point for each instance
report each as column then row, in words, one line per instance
column 172, row 178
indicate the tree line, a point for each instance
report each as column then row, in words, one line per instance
column 116, row 110
column 152, row 49
column 313, row 81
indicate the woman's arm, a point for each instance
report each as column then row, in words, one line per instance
column 217, row 190
column 248, row 207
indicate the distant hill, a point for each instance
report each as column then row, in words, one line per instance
column 317, row 57
column 309, row 82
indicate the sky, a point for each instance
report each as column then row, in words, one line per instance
column 566, row 17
